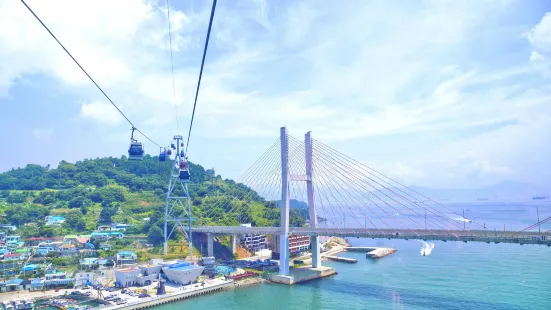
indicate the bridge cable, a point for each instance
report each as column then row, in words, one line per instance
column 201, row 72
column 172, row 66
column 264, row 179
column 91, row 79
column 361, row 170
column 350, row 168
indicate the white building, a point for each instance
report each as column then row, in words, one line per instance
column 84, row 278
column 252, row 242
column 55, row 219
column 67, row 249
column 125, row 258
column 127, row 277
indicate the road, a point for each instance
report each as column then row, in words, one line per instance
column 434, row 235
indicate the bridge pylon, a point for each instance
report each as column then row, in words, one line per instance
column 285, row 202
column 177, row 206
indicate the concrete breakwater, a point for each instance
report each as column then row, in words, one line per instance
column 372, row 252
column 341, row 259
column 380, row 252
column 163, row 299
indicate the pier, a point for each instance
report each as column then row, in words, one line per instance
column 299, row 275
column 380, row 252
column 341, row 259
column 164, row 299
column 360, row 248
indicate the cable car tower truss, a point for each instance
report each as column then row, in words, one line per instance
column 177, row 208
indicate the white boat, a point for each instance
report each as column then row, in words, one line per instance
column 7, row 305
column 27, row 304
column 183, row 272
column 18, row 304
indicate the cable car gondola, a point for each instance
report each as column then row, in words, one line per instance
column 162, row 155
column 169, row 152
column 135, row 151
column 184, row 172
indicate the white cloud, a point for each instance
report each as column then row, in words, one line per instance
column 540, row 35
column 101, row 112
column 535, row 57
column 44, row 135
column 366, row 71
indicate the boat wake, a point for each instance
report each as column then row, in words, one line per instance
column 427, row 247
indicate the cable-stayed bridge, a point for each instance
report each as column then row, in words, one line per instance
column 308, row 188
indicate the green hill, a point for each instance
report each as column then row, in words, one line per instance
column 104, row 190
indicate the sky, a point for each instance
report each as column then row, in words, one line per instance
column 433, row 93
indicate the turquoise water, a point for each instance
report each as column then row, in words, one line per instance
column 455, row 275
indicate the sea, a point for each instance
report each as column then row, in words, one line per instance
column 452, row 275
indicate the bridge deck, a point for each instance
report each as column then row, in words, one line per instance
column 438, row 235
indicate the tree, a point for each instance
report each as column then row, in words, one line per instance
column 74, row 220
column 15, row 197
column 109, row 263
column 155, row 235
column 79, row 202
column 53, row 254
column 108, row 210
column 46, row 231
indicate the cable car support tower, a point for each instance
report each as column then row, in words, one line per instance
column 178, row 208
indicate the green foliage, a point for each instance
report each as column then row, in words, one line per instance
column 108, row 209
column 74, row 220
column 79, row 202
column 155, row 235
column 16, row 197
column 105, row 190
column 22, row 214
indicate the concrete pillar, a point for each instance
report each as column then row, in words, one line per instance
column 314, row 240
column 284, row 233
column 210, row 245
column 233, row 243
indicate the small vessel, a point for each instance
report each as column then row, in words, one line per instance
column 7, row 305
column 18, row 304
column 27, row 304
column 539, row 197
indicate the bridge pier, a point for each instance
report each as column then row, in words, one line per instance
column 233, row 243
column 210, row 245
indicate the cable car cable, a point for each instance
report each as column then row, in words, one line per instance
column 201, row 72
column 172, row 66
column 91, row 79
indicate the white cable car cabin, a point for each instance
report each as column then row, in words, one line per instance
column 135, row 151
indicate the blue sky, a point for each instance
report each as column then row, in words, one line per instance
column 433, row 93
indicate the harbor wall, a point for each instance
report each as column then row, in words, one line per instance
column 159, row 300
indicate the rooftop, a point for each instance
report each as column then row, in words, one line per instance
column 125, row 253
column 128, row 270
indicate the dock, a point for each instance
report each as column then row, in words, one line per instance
column 341, row 259
column 299, row 275
column 380, row 252
column 164, row 299
column 360, row 248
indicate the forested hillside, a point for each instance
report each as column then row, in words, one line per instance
column 105, row 190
